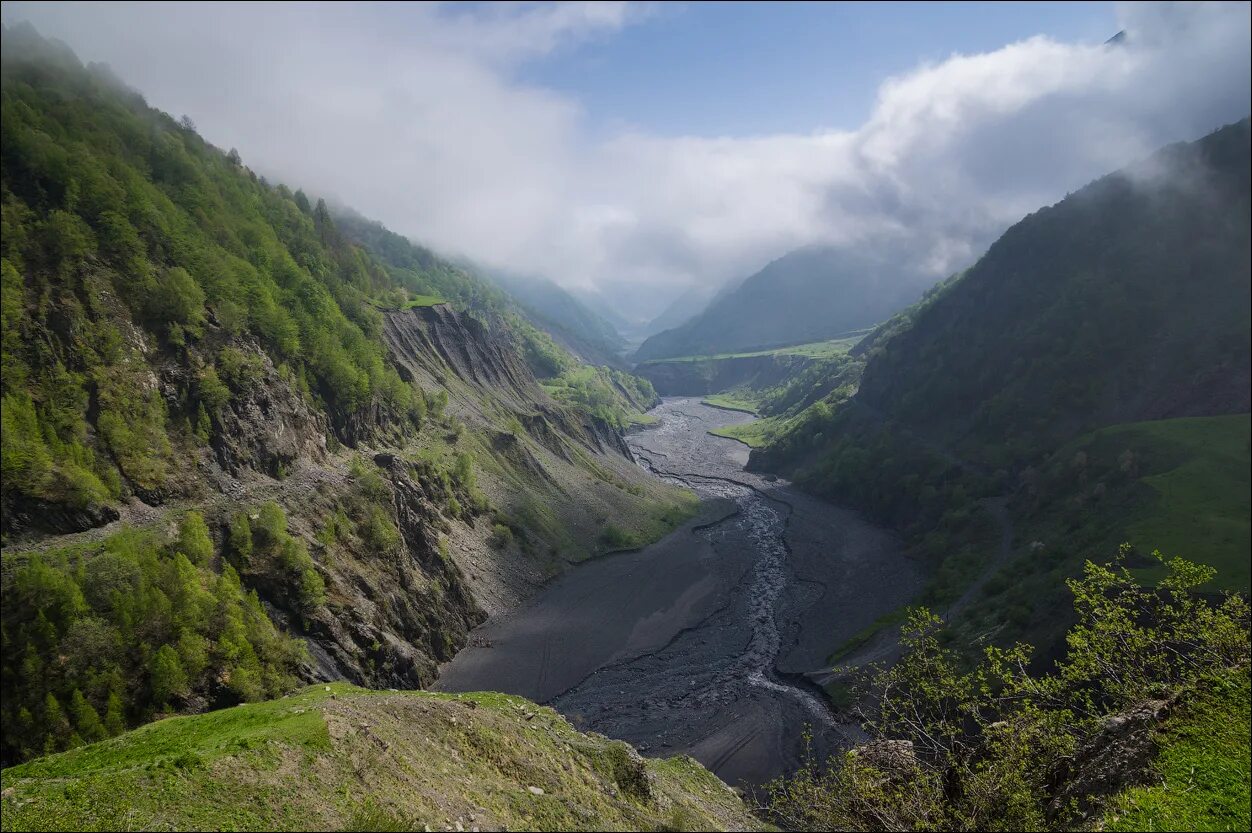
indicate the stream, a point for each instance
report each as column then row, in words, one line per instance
column 700, row 643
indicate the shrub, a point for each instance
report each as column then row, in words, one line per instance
column 986, row 744
column 501, row 536
column 242, row 371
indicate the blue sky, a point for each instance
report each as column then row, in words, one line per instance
column 758, row 68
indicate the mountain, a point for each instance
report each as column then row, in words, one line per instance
column 1086, row 382
column 578, row 328
column 241, row 449
column 686, row 306
column 808, row 295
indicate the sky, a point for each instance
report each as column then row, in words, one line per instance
column 636, row 150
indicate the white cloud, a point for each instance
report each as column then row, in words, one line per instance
column 413, row 116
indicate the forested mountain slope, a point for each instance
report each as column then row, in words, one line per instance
column 594, row 382
column 1124, row 304
column 239, row 450
column 808, row 295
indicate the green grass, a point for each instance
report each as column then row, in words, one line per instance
column 1190, row 496
column 755, row 434
column 1186, row 495
column 814, row 350
column 423, row 301
column 339, row 757
column 1201, row 508
column 736, row 401
column 1203, row 765
column 866, row 633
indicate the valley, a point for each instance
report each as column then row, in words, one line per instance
column 699, row 643
column 527, row 510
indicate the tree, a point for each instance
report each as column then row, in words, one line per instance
column 269, row 530
column 241, row 537
column 985, row 747
column 86, row 720
column 193, row 539
column 114, row 716
column 176, row 299
column 55, row 725
column 167, row 679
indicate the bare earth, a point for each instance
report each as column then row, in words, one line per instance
column 699, row 643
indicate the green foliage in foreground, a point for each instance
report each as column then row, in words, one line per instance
column 97, row 640
column 991, row 747
column 339, row 757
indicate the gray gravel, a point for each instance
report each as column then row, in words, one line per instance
column 700, row 643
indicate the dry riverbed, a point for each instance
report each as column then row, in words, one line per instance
column 699, row 643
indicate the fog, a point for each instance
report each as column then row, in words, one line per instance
column 414, row 116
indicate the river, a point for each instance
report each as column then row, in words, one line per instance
column 699, row 643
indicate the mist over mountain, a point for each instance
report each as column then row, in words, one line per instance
column 808, row 295
column 580, row 328
column 453, row 144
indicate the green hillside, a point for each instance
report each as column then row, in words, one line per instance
column 128, row 238
column 192, row 360
column 1123, row 305
column 337, row 757
column 608, row 391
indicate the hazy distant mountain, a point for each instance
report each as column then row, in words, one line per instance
column 582, row 330
column 686, row 306
column 807, row 295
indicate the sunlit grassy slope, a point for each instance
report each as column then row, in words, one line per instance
column 342, row 758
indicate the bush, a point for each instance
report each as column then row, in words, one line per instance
column 614, row 537
column 242, row 371
column 987, row 746
column 501, row 536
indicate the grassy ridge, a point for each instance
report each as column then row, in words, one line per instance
column 424, row 301
column 340, row 757
column 755, row 434
column 732, row 401
column 813, row 350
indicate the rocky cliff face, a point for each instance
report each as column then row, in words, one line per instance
column 438, row 346
column 391, row 616
column 437, row 340
column 402, row 550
